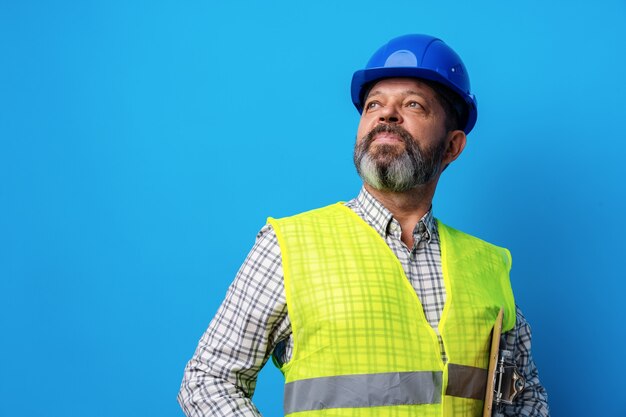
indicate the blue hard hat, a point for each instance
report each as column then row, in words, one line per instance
column 418, row 56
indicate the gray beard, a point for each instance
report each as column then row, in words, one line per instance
column 386, row 170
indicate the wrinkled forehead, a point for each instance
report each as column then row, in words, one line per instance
column 413, row 84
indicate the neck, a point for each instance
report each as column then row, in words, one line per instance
column 407, row 207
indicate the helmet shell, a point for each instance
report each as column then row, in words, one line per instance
column 418, row 56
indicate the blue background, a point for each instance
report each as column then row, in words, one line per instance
column 143, row 144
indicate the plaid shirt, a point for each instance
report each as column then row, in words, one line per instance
column 252, row 323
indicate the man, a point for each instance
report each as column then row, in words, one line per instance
column 331, row 294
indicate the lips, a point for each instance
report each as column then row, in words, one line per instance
column 387, row 137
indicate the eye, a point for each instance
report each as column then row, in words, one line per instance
column 372, row 105
column 414, row 105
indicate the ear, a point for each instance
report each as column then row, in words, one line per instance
column 456, row 140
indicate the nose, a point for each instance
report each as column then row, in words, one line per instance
column 390, row 114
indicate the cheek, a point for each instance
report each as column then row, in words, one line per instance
column 363, row 129
column 428, row 132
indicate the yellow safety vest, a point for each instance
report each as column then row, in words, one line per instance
column 362, row 345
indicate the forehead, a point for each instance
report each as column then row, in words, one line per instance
column 401, row 86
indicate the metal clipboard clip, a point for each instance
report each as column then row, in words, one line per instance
column 508, row 383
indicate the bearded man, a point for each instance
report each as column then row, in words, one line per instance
column 374, row 307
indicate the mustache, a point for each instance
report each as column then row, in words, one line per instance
column 388, row 128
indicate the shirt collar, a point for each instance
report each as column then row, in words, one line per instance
column 380, row 218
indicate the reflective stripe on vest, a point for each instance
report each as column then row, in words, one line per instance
column 361, row 339
column 392, row 388
column 355, row 391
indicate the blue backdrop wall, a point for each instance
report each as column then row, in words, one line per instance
column 143, row 144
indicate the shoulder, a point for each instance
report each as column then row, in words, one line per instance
column 458, row 234
column 318, row 213
column 457, row 237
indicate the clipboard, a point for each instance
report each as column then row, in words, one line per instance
column 493, row 362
